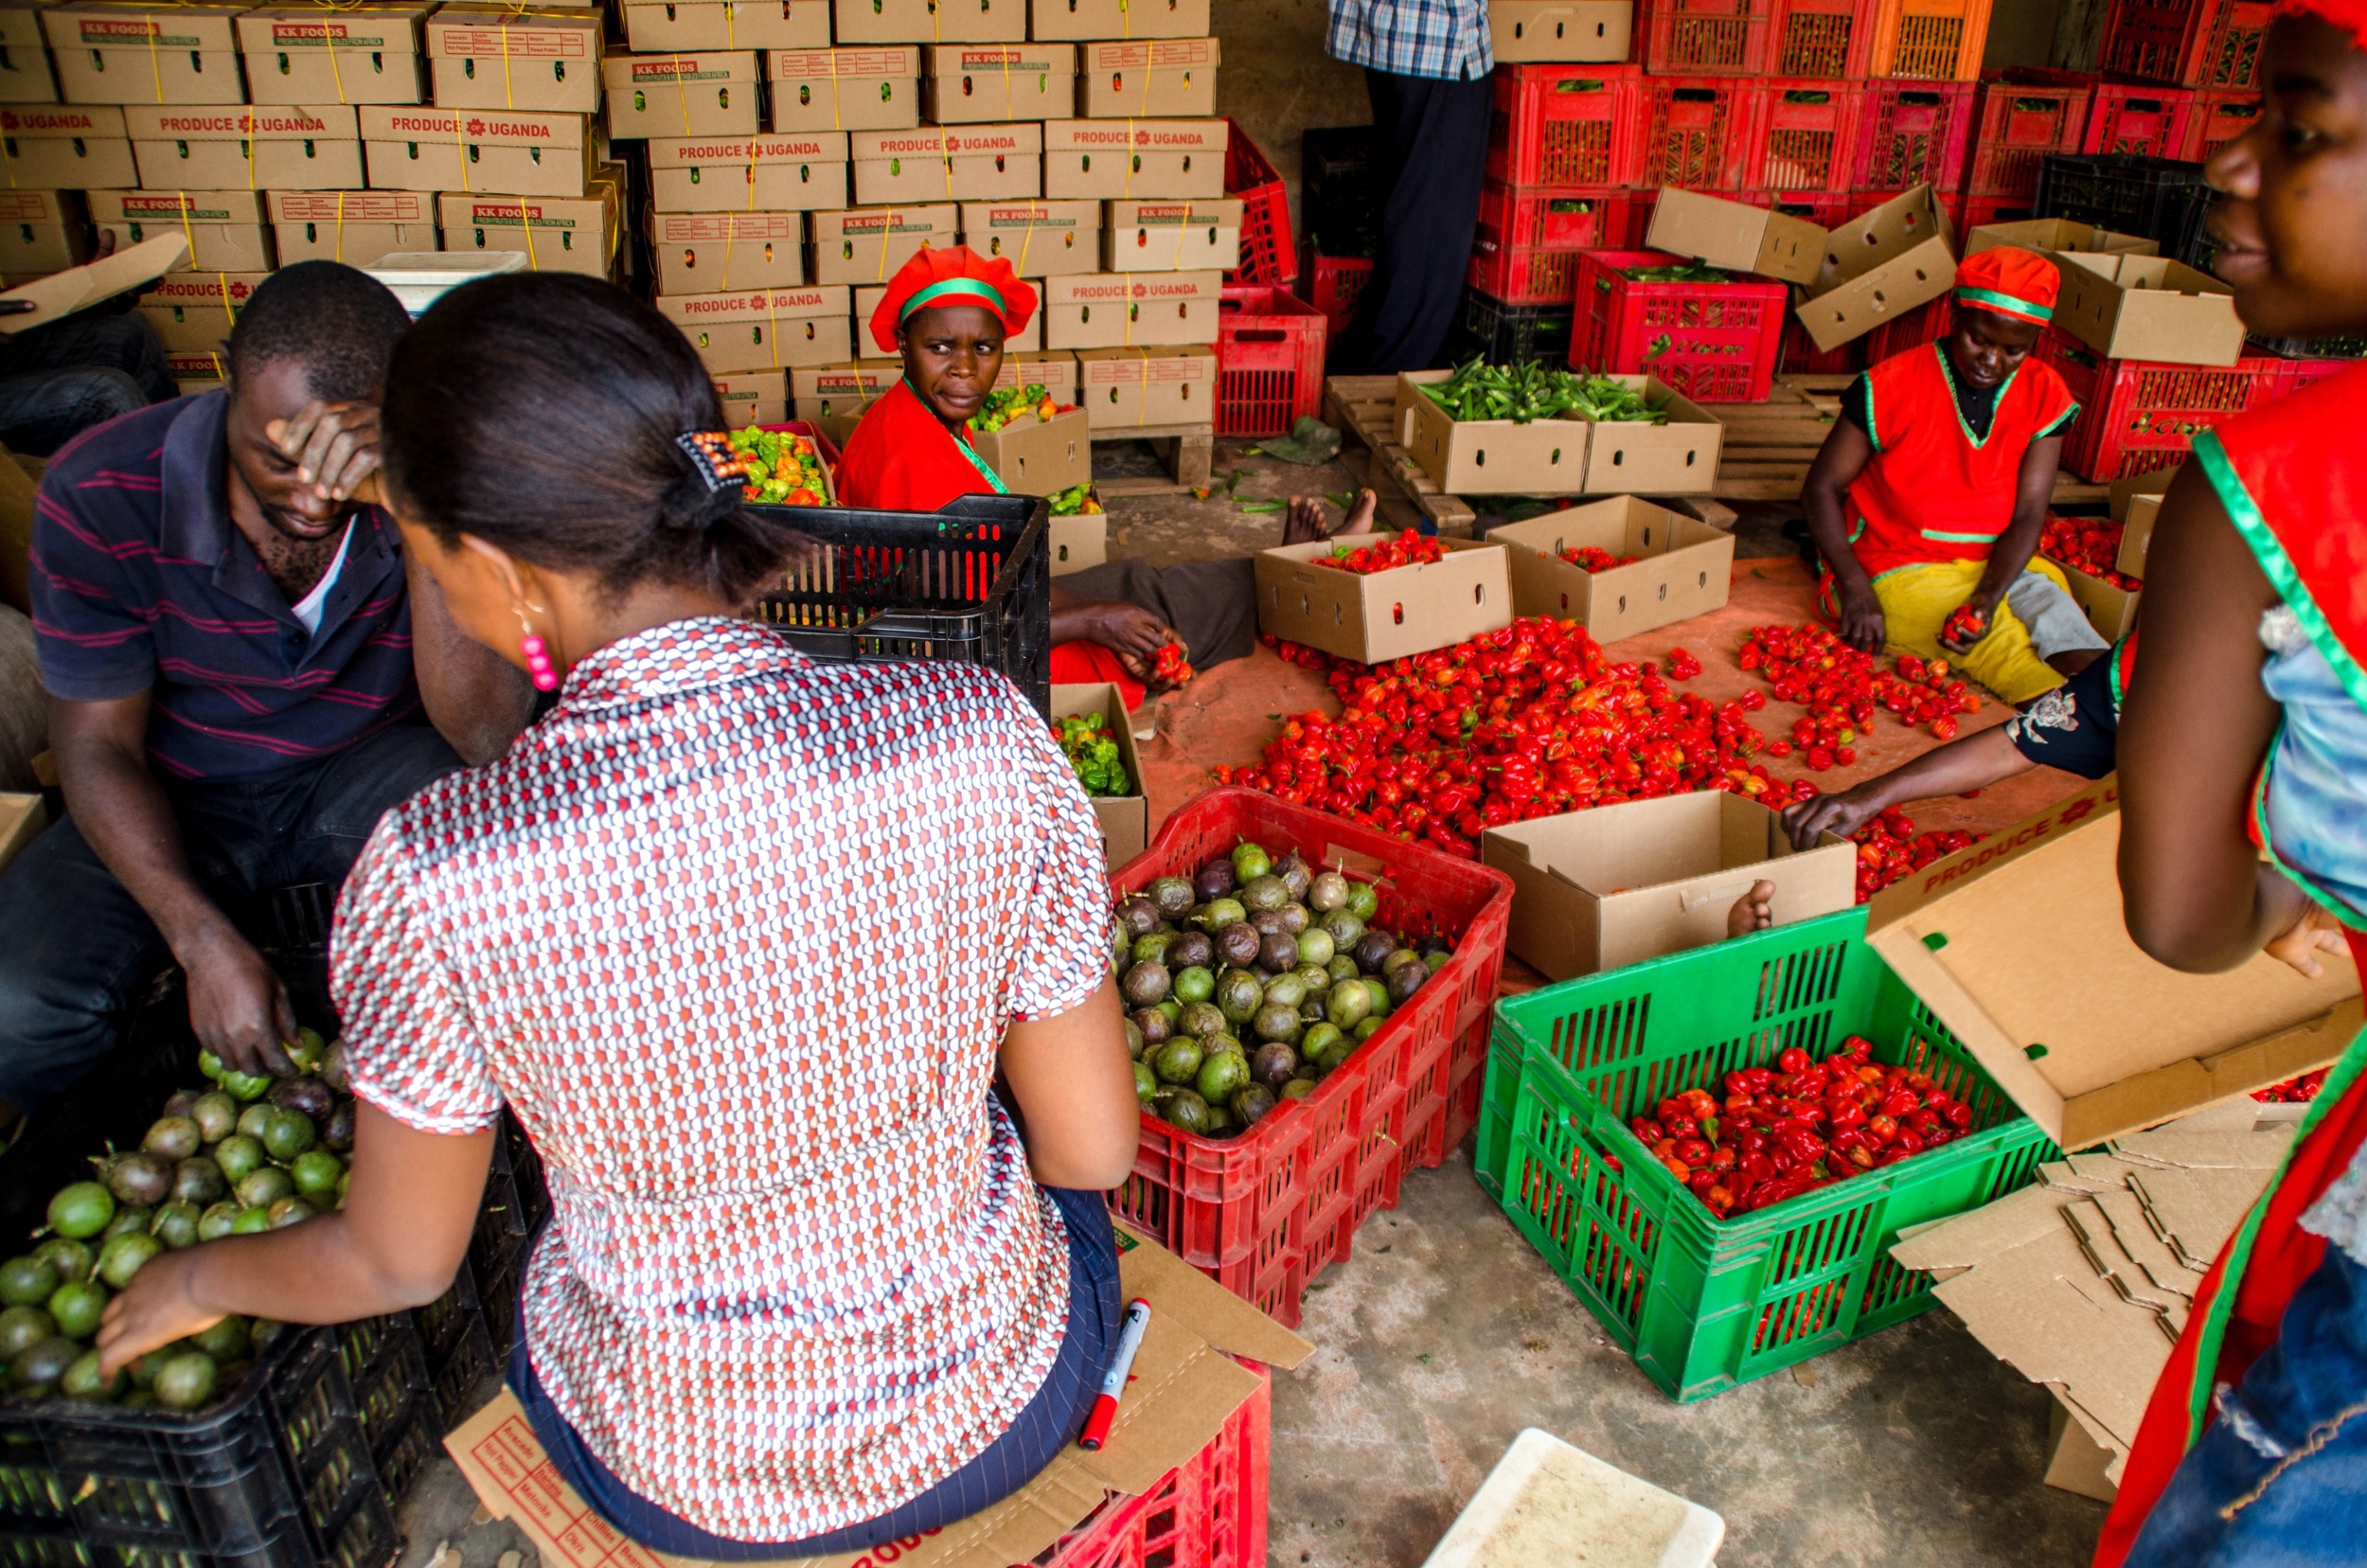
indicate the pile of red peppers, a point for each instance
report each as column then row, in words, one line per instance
column 2294, row 1090
column 1841, row 688
column 1797, row 1126
column 1410, row 548
column 2091, row 543
column 1594, row 557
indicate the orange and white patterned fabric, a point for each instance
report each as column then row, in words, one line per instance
column 737, row 935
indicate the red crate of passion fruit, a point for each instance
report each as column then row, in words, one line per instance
column 1209, row 1513
column 1252, row 1210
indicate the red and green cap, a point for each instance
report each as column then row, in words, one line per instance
column 2349, row 15
column 954, row 276
column 2010, row 281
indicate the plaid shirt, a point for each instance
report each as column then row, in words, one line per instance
column 737, row 936
column 1446, row 39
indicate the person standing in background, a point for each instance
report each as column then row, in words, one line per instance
column 1425, row 67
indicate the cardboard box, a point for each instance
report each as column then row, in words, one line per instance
column 2147, row 308
column 2136, row 534
column 523, row 155
column 1683, row 567
column 681, row 95
column 1489, row 456
column 843, row 390
column 1126, row 389
column 1125, row 819
column 193, row 312
column 2074, row 1460
column 1054, row 370
column 42, row 232
column 867, row 245
column 1679, row 457
column 877, row 88
column 1041, row 457
column 1381, row 615
column 22, row 817
column 982, row 83
column 65, row 146
column 365, row 53
column 1116, row 160
column 1091, row 19
column 1579, row 31
column 2126, row 491
column 940, row 163
column 193, row 373
column 1080, row 541
column 1736, row 236
column 928, row 21
column 353, row 227
column 2019, row 946
column 662, row 26
column 1172, row 236
column 2110, row 609
column 714, row 252
column 2048, row 236
column 25, row 73
column 574, row 234
column 225, row 228
column 754, row 396
column 545, row 61
column 1120, row 310
column 775, row 171
column 61, row 293
column 1600, row 889
column 146, row 54
column 1186, row 1385
column 1879, row 266
column 270, row 147
column 763, row 329
column 1149, row 78
column 1043, row 238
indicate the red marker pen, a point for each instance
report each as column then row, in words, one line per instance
column 1113, row 1380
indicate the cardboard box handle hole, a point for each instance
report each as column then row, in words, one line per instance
column 1396, row 614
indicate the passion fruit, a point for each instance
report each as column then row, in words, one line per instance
column 187, row 1381
column 1240, row 997
column 83, row 1209
column 317, row 1172
column 1345, row 927
column 173, row 1137
column 216, row 1115
column 308, row 1095
column 1250, row 860
column 1138, row 915
column 1316, row 945
column 124, row 1256
column 1148, row 1026
column 337, row 1132
column 76, row 1307
column 1406, row 979
column 1297, row 1088
column 1265, row 893
column 1219, row 912
column 1221, row 1074
column 1184, row 1110
column 245, row 1087
column 1193, row 984
column 1285, row 990
column 26, row 1281
column 251, row 1222
column 1192, row 950
column 72, row 1259
column 1252, row 1103
column 1265, row 921
column 1296, row 873
column 240, row 1156
column 215, row 1223
column 1294, row 917
column 1178, row 1061
column 37, row 1367
column 127, row 1221
column 1171, row 897
column 1277, row 1023
column 84, row 1380
column 228, row 1340
column 1239, row 944
column 1146, row 1084
column 265, row 1188
column 175, row 1224
column 138, row 1178
column 24, row 1325
column 1364, row 899
column 254, row 1119
column 332, row 1068
column 198, row 1180
column 1147, row 984
column 1278, row 952
column 1214, row 881
column 288, row 1134
column 1201, row 1019
column 1272, row 1064
column 1153, row 947
column 290, row 1210
column 1327, row 891
column 1348, row 1003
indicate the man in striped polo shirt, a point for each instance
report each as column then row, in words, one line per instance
column 241, row 679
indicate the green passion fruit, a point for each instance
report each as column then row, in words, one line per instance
column 255, row 1118
column 229, row 1340
column 172, row 1138
column 251, row 1222
column 72, row 1259
column 26, row 1281
column 1251, row 862
column 240, row 1156
column 127, row 1221
column 1222, row 1075
column 24, row 1325
column 175, row 1225
column 1193, row 984
column 265, row 1188
column 1146, row 1083
column 37, row 1367
column 1201, row 1019
column 288, row 1134
column 84, row 1380
column 187, row 1381
column 83, row 1209
column 1240, row 997
column 1184, row 1110
column 198, row 1180
column 1285, row 990
column 1178, row 1061
column 216, row 1115
column 125, row 1255
column 76, row 1307
column 215, row 1223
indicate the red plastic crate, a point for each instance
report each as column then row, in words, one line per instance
column 1338, row 281
column 1563, row 125
column 1804, row 135
column 2137, row 417
column 1699, row 131
column 2018, row 125
column 1802, row 357
column 1269, row 360
column 1922, row 325
column 1705, row 37
column 1520, row 274
column 1210, row 1513
column 1711, row 342
column 1241, row 1208
column 1267, row 253
column 2140, row 117
column 1915, row 132
column 2207, row 44
column 2306, row 372
column 1510, row 265
column 2220, row 118
column 1820, row 38
column 1967, row 213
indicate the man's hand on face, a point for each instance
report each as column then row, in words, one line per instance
column 334, row 447
column 239, row 1007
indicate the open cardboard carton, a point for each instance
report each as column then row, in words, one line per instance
column 1489, row 456
column 1040, row 456
column 2019, row 946
column 2111, row 609
column 1625, row 458
column 1561, row 31
column 2147, row 308
column 62, row 294
column 1125, row 819
column 1080, row 541
column 1879, row 266
column 2051, row 236
column 1599, row 889
column 1736, row 236
column 1683, row 568
column 1185, row 1385
column 2137, row 534
column 1373, row 617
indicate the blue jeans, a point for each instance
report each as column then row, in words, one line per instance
column 77, row 950
column 1048, row 1423
column 58, row 379
column 2280, row 1478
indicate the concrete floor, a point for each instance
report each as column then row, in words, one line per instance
column 1446, row 1333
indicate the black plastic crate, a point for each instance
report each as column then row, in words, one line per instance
column 2310, row 349
column 412, row 1448
column 1340, row 191
column 2160, row 199
column 515, row 1203
column 1510, row 335
column 499, row 1295
column 443, row 1322
column 969, row 584
column 462, row 1374
column 386, row 1366
column 365, row 1537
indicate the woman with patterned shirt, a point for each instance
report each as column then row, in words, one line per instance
column 743, row 940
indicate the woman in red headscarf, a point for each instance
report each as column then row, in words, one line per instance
column 2243, row 755
column 1930, row 495
column 947, row 313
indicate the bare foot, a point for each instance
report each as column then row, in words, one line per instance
column 1752, row 912
column 1306, row 522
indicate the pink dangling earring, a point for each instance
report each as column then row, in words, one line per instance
column 539, row 666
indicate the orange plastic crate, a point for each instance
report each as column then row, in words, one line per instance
column 1704, row 37
column 1937, row 40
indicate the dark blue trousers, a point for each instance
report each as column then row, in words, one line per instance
column 1431, row 137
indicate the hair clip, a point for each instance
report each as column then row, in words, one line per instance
column 717, row 461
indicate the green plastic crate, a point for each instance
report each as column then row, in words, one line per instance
column 1704, row 1304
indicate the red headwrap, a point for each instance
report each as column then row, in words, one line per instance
column 956, row 275
column 2009, row 281
column 2349, row 15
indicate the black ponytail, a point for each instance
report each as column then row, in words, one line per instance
column 538, row 412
